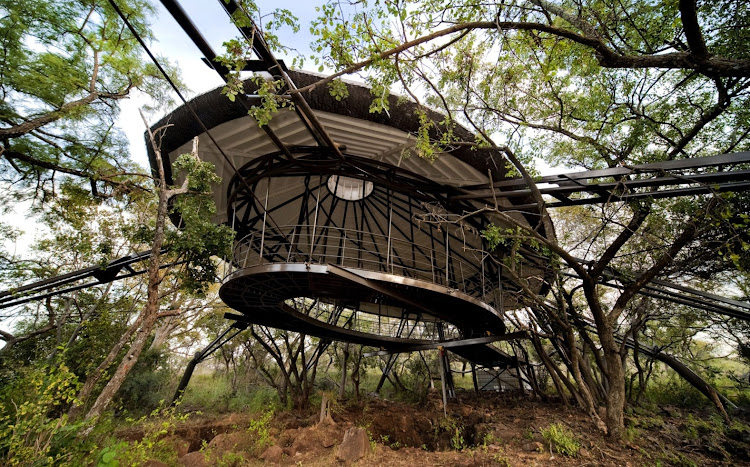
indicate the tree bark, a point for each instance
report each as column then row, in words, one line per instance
column 150, row 312
column 344, row 358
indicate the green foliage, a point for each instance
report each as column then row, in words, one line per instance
column 338, row 89
column 260, row 428
column 456, row 430
column 561, row 440
column 238, row 50
column 108, row 456
column 34, row 430
column 271, row 102
column 154, row 445
column 675, row 391
column 148, row 384
column 199, row 239
column 48, row 78
column 494, row 236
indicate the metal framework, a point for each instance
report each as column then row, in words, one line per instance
column 686, row 177
column 324, row 201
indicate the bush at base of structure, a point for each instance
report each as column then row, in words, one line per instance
column 560, row 439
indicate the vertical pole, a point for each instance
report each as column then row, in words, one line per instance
column 500, row 286
column 343, row 247
column 447, row 257
column 442, row 380
column 185, row 379
column 484, row 298
column 432, row 265
column 411, row 231
column 388, row 258
column 265, row 213
column 228, row 264
column 249, row 249
column 474, row 376
column 342, row 241
column 315, row 222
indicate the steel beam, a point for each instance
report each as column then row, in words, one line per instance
column 449, row 344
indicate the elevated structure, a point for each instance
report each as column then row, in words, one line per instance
column 328, row 242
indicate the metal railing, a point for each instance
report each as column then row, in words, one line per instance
column 369, row 322
column 460, row 266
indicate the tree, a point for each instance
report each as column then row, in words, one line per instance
column 81, row 231
column 287, row 361
column 193, row 246
column 578, row 83
column 65, row 66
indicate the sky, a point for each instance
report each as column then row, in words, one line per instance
column 213, row 22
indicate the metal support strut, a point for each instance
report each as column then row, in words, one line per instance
column 201, row 355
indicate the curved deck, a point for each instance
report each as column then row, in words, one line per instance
column 367, row 307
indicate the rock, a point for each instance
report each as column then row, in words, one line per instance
column 328, row 433
column 194, row 459
column 533, row 446
column 154, row 463
column 583, row 452
column 272, row 454
column 304, row 442
column 286, row 438
column 180, row 445
column 226, row 442
column 354, row 446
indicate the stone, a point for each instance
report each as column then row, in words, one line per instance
column 583, row 452
column 354, row 446
column 272, row 454
column 304, row 442
column 230, row 442
column 533, row 446
column 154, row 463
column 194, row 459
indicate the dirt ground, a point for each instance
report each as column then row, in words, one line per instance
column 479, row 430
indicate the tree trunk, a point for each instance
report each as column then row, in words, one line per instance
column 94, row 378
column 127, row 363
column 355, row 372
column 149, row 314
column 344, row 358
column 615, row 418
column 696, row 381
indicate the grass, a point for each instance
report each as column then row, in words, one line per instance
column 213, row 393
column 561, row 439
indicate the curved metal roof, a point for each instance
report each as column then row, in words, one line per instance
column 382, row 137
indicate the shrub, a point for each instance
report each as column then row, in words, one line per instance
column 154, row 445
column 34, row 428
column 561, row 440
column 261, row 428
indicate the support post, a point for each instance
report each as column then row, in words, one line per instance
column 215, row 345
column 185, row 378
column 442, row 381
column 474, row 376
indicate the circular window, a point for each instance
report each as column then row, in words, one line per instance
column 348, row 188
